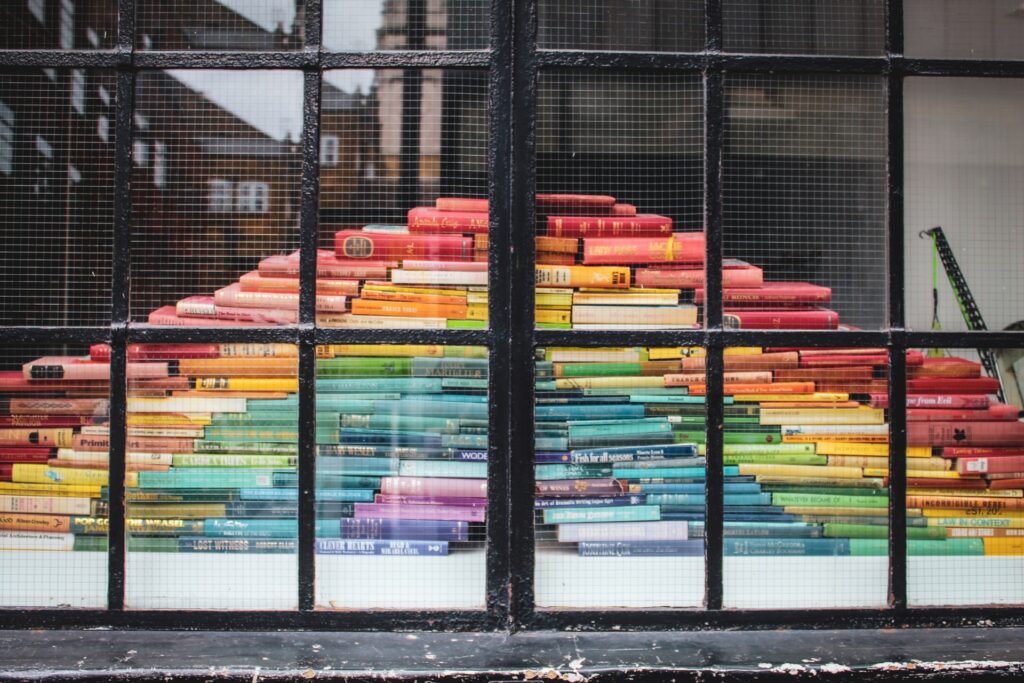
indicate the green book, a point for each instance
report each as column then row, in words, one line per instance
column 950, row 546
column 456, row 324
column 364, row 366
column 238, row 447
column 628, row 513
column 915, row 533
column 817, row 500
column 268, row 434
column 551, row 326
column 779, row 459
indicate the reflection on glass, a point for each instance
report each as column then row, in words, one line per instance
column 970, row 547
column 401, row 476
column 58, row 24
column 805, row 201
column 619, row 206
column 219, row 24
column 56, row 194
column 362, row 25
column 215, row 189
column 806, row 465
column 964, row 29
column 829, row 27
column 619, row 477
column 403, row 209
column 648, row 25
column 53, row 476
column 212, row 449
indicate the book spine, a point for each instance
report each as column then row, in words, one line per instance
column 632, row 513
column 781, row 319
column 407, row 309
column 339, row 546
column 471, row 204
column 422, row 219
column 408, row 529
column 434, row 512
column 610, row 277
column 675, row 248
column 641, row 548
column 643, row 225
column 353, row 244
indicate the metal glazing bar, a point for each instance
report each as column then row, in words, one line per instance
column 897, row 477
column 714, row 482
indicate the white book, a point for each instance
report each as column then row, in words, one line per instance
column 71, row 455
column 614, row 326
column 186, row 404
column 630, row 299
column 570, row 355
column 388, row 322
column 827, row 429
column 648, row 316
column 46, row 505
column 31, row 540
column 623, row 531
column 438, row 277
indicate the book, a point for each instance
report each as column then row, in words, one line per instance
column 693, row 278
column 649, row 315
column 342, row 546
column 819, row 319
column 641, row 548
column 433, row 512
column 424, row 219
column 679, row 247
column 640, row 225
column 773, row 293
column 234, row 296
column 353, row 244
column 614, row 277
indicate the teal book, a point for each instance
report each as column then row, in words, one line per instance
column 645, row 391
column 699, row 499
column 667, row 398
column 443, row 468
column 473, row 441
column 465, row 383
column 419, row 385
column 367, row 466
column 879, row 547
column 419, row 423
column 553, row 443
column 435, row 406
column 659, row 463
column 473, row 368
column 570, row 471
column 578, row 515
column 329, row 480
column 207, row 478
column 779, row 546
column 668, row 473
column 251, row 528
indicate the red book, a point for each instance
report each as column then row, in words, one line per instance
column 166, row 316
column 965, row 433
column 952, row 385
column 995, row 412
column 354, row 244
column 640, row 225
column 979, row 451
column 327, row 265
column 679, row 247
column 693, row 278
column 840, row 360
column 773, row 293
column 975, row 466
column 461, row 204
column 554, row 258
column 430, row 220
column 963, row 401
column 569, row 202
column 1004, row 484
column 6, row 469
column 12, row 455
column 815, row 319
column 946, row 367
column 46, row 420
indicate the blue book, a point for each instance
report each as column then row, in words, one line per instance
column 344, row 546
column 603, row 501
column 355, row 465
column 464, row 383
column 583, row 412
column 420, row 385
column 786, row 546
column 661, row 463
column 292, row 494
column 388, row 437
column 663, row 472
column 551, row 472
column 442, row 468
column 207, row 478
column 699, row 499
column 201, row 544
column 551, row 457
column 404, row 529
column 251, row 528
column 641, row 548
column 629, row 453
column 626, row 513
column 329, row 480
column 618, row 439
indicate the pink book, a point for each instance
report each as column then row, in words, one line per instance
column 464, row 266
column 773, row 293
column 427, row 219
column 167, row 317
column 234, row 296
column 964, row 401
column 434, row 486
column 462, row 513
column 429, row 500
column 677, row 247
column 78, row 368
column 629, row 227
column 327, row 265
column 693, row 278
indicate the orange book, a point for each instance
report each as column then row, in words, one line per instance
column 554, row 258
column 701, row 378
column 408, row 309
column 16, row 521
column 976, row 503
column 609, row 277
column 392, row 295
column 755, row 361
column 561, row 245
column 254, row 282
column 264, row 367
column 769, row 388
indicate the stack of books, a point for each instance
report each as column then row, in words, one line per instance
column 411, row 422
column 52, row 496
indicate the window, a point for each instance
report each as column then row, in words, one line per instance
column 104, row 95
column 222, row 196
column 67, row 24
column 74, row 175
column 253, row 197
column 6, row 139
column 92, row 36
column 103, row 128
column 328, row 150
column 78, row 90
column 44, row 147
column 159, row 164
column 38, row 10
column 140, row 153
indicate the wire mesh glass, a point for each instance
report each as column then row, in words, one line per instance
column 57, row 185
column 813, row 27
column 401, row 476
column 964, row 156
column 219, row 24
column 211, row 486
column 215, row 190
column 806, row 459
column 805, row 201
column 644, row 25
column 58, row 24
column 965, row 522
column 363, row 25
column 54, row 402
column 620, row 475
column 964, row 29
column 403, row 199
column 619, row 232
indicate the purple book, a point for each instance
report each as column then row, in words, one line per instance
column 434, row 486
column 552, row 457
column 429, row 500
column 394, row 511
column 579, row 487
column 623, row 531
column 404, row 529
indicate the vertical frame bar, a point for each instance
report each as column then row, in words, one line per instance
column 897, row 475
column 308, row 238
column 522, row 252
column 499, row 191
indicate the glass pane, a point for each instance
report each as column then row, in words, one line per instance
column 219, row 24
column 403, row 201
column 56, row 192
column 965, row 522
column 357, row 25
column 964, row 29
column 211, row 489
column 822, row 27
column 805, row 200
column 964, row 173
column 644, row 25
column 215, row 189
column 806, row 498
column 619, row 478
column 53, row 476
column 58, row 24
column 620, row 201
column 401, row 476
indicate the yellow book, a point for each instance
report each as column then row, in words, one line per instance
column 608, row 382
column 834, row 511
column 550, row 315
column 866, row 483
column 976, row 493
column 977, row 522
column 880, row 450
column 43, row 474
column 861, row 438
column 595, row 355
column 973, row 514
column 460, row 351
column 920, row 464
column 802, row 471
column 404, row 350
column 199, row 419
column 247, row 383
column 792, row 398
column 823, row 416
column 25, row 489
column 415, row 290
column 476, row 312
column 1004, row 546
column 259, row 350
column 553, row 298
column 924, row 474
column 182, row 510
column 476, row 298
column 674, row 352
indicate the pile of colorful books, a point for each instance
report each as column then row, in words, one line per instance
column 620, row 444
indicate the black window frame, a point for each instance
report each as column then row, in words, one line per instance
column 513, row 63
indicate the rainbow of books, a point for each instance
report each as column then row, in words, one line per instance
column 621, row 471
